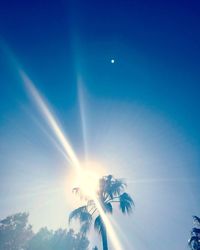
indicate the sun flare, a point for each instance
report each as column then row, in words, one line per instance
column 87, row 178
column 88, row 182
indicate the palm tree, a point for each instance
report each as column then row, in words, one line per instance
column 110, row 190
column 194, row 241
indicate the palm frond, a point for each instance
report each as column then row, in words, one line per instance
column 98, row 224
column 111, row 187
column 90, row 203
column 126, row 203
column 108, row 207
column 117, row 187
column 196, row 219
column 80, row 213
column 193, row 242
column 85, row 227
column 76, row 190
column 83, row 216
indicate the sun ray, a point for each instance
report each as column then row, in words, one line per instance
column 52, row 139
column 83, row 117
column 111, row 232
column 50, row 119
column 53, row 124
column 161, row 180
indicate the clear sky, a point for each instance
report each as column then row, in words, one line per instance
column 140, row 115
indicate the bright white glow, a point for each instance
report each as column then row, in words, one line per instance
column 50, row 119
column 88, row 182
column 111, row 233
column 83, row 116
column 87, row 178
column 112, row 61
column 70, row 152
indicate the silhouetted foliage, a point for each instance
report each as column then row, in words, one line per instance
column 194, row 241
column 110, row 191
column 60, row 240
column 17, row 234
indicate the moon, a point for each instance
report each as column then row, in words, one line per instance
column 112, row 61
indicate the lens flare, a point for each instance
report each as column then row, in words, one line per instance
column 87, row 179
column 88, row 182
column 53, row 124
column 111, row 233
column 50, row 119
column 82, row 108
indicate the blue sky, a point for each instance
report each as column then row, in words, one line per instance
column 145, row 105
column 156, row 46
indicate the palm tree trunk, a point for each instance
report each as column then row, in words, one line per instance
column 104, row 238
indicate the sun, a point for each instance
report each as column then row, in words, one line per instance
column 87, row 178
column 88, row 182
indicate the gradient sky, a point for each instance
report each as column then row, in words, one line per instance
column 141, row 114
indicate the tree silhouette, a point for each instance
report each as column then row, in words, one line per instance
column 110, row 191
column 194, row 241
column 41, row 240
column 60, row 240
column 15, row 232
